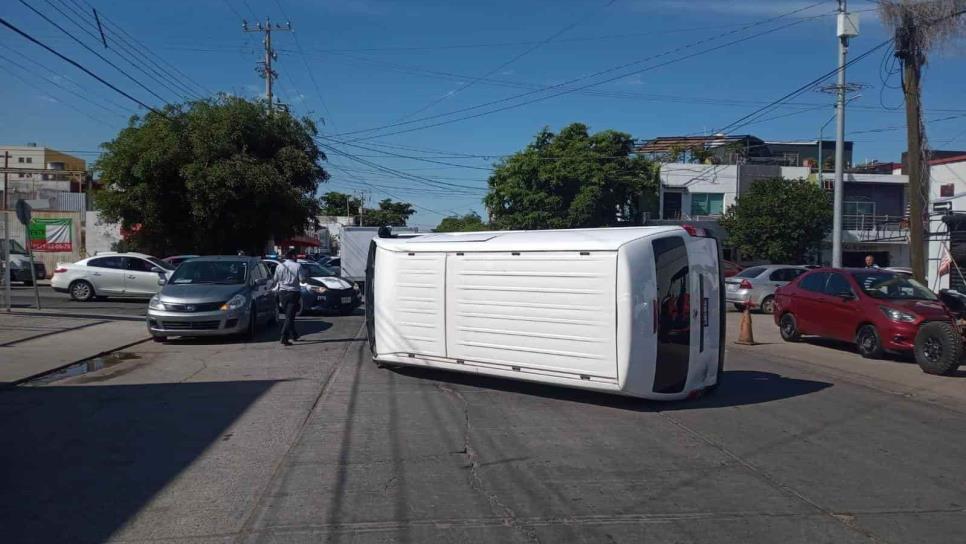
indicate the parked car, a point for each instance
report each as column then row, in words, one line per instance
column 729, row 268
column 876, row 309
column 757, row 285
column 20, row 265
column 322, row 289
column 175, row 260
column 130, row 275
column 210, row 296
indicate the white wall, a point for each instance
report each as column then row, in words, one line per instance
column 100, row 235
column 942, row 174
column 699, row 178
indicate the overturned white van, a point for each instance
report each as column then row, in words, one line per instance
column 636, row 311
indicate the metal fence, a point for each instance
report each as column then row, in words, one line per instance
column 875, row 228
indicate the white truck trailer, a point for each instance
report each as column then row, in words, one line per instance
column 635, row 311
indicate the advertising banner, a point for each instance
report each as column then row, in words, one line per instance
column 51, row 234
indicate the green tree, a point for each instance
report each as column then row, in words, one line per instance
column 780, row 220
column 340, row 204
column 469, row 222
column 389, row 213
column 572, row 179
column 211, row 176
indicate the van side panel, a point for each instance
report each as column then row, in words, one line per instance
column 551, row 311
column 636, row 328
column 409, row 304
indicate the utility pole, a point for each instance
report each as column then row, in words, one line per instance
column 912, row 56
column 265, row 67
column 6, row 234
column 847, row 27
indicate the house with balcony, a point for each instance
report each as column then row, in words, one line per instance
column 874, row 199
column 946, row 265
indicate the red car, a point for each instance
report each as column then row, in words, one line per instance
column 877, row 309
column 730, row 269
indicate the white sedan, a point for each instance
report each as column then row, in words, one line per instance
column 131, row 275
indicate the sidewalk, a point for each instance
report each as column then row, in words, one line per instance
column 31, row 345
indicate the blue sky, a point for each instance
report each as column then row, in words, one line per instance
column 380, row 62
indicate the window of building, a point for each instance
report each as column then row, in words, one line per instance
column 858, row 208
column 20, row 159
column 30, row 159
column 707, row 204
column 947, row 189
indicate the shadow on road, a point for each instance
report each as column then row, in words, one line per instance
column 266, row 333
column 738, row 388
column 79, row 462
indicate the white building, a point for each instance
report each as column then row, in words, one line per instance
column 874, row 205
column 947, row 188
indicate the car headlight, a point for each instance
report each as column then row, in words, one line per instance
column 898, row 315
column 317, row 289
column 156, row 303
column 234, row 303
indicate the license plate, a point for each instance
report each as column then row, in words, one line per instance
column 346, row 300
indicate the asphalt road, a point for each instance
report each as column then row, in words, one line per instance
column 23, row 297
column 222, row 441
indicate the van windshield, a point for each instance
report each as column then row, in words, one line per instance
column 891, row 286
column 216, row 272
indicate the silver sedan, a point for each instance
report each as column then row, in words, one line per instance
column 757, row 285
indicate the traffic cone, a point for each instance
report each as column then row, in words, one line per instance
column 746, row 335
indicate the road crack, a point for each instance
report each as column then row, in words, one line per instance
column 508, row 517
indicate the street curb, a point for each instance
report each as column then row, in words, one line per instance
column 53, row 313
column 22, row 381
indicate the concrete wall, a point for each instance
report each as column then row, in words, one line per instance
column 99, row 235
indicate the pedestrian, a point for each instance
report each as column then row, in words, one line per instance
column 287, row 283
column 870, row 262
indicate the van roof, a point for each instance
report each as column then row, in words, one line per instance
column 601, row 239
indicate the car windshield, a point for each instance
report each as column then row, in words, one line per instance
column 753, row 272
column 217, row 272
column 15, row 248
column 313, row 270
column 161, row 264
column 889, row 285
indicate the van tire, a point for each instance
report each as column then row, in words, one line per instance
column 938, row 348
column 81, row 291
column 868, row 342
column 788, row 327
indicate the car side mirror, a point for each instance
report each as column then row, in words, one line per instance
column 157, row 270
column 261, row 281
column 162, row 281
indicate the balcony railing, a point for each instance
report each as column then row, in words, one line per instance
column 877, row 228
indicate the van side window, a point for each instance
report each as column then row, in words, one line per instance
column 671, row 266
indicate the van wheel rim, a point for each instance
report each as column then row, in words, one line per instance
column 932, row 349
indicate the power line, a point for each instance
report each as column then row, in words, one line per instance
column 585, row 77
column 503, row 65
column 71, row 106
column 399, row 155
column 172, row 70
column 85, row 46
column 126, row 58
column 55, row 85
column 77, row 65
column 305, row 62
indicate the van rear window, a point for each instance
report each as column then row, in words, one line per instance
column 672, row 270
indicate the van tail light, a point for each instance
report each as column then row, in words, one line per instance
column 695, row 231
column 745, row 284
column 60, row 270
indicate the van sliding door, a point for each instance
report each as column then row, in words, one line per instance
column 673, row 283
